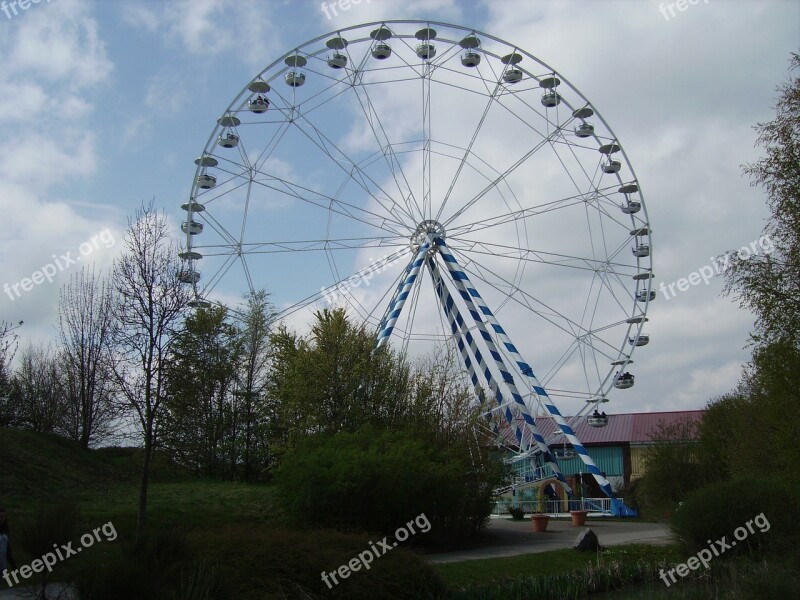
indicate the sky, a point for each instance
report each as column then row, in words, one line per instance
column 105, row 105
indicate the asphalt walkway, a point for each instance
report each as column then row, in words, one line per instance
column 509, row 538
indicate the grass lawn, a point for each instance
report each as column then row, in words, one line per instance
column 554, row 562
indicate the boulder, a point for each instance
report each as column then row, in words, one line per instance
column 587, row 541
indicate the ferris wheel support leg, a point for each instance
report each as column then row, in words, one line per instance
column 453, row 318
column 453, row 315
column 401, row 294
column 471, row 296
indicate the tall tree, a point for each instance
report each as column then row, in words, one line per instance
column 335, row 380
column 252, row 378
column 150, row 300
column 36, row 390
column 9, row 341
column 769, row 284
column 86, row 326
column 202, row 419
column 754, row 429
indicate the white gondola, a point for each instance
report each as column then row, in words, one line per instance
column 192, row 206
column 192, row 227
column 512, row 75
column 199, row 303
column 470, row 58
column 258, row 105
column 631, row 207
column 641, row 250
column 295, row 78
column 337, row 60
column 642, row 340
column 551, row 99
column 597, row 419
column 611, row 166
column 259, row 86
column 643, row 296
column 206, row 181
column 584, row 130
column 189, row 277
column 229, row 140
column 609, row 149
column 624, row 381
column 426, row 51
column 382, row 51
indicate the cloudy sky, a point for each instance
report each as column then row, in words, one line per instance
column 104, row 105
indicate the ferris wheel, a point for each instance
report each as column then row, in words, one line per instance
column 446, row 187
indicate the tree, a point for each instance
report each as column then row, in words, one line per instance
column 86, row 328
column 672, row 467
column 769, row 284
column 201, row 420
column 335, row 379
column 253, row 378
column 36, row 390
column 754, row 429
column 149, row 302
column 8, row 347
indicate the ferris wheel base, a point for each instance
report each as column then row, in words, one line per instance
column 619, row 509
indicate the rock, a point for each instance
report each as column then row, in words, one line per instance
column 587, row 541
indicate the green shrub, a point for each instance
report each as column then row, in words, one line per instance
column 160, row 567
column 517, row 513
column 719, row 509
column 262, row 563
column 377, row 481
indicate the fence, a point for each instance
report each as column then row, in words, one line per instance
column 596, row 506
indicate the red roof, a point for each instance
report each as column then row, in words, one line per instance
column 625, row 428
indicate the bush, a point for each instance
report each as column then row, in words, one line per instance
column 263, row 563
column 720, row 509
column 377, row 481
column 161, row 567
column 517, row 513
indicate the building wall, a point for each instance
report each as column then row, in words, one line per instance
column 637, row 461
column 609, row 459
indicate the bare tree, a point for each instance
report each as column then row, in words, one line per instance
column 149, row 303
column 253, row 376
column 8, row 348
column 86, row 323
column 36, row 390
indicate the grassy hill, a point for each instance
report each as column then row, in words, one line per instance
column 39, row 467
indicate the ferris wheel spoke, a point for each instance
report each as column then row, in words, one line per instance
column 500, row 178
column 393, row 163
column 468, row 150
column 323, row 142
column 518, row 253
column 312, row 197
column 427, row 180
column 512, row 292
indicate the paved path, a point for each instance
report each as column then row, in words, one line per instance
column 55, row 591
column 509, row 538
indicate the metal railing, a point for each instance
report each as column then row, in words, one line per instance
column 596, row 506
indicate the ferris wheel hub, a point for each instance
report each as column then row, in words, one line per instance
column 424, row 229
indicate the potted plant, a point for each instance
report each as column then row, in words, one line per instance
column 579, row 514
column 539, row 520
